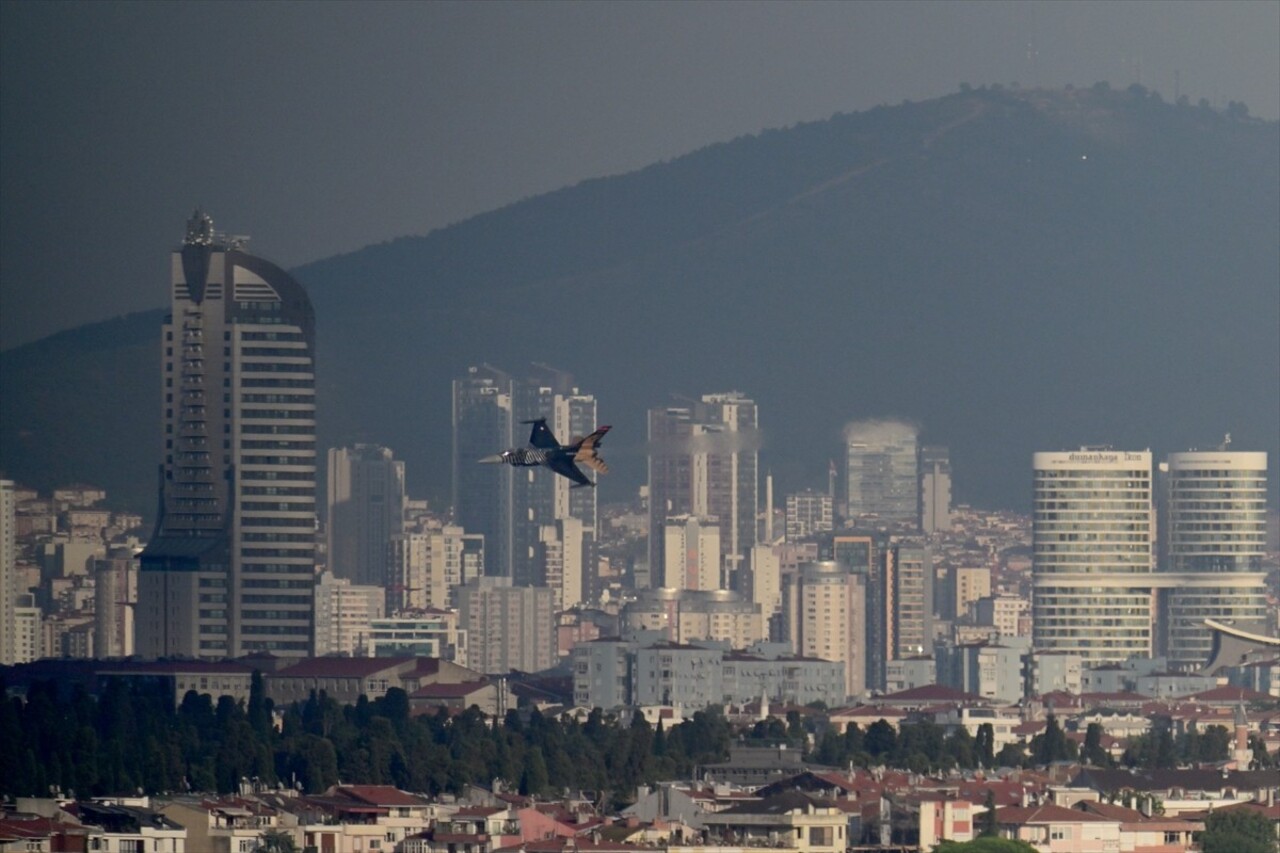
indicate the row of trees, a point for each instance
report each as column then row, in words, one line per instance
column 132, row 738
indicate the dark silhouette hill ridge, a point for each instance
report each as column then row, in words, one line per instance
column 1014, row 270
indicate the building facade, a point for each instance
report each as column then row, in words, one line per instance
column 366, row 503
column 882, row 478
column 8, row 572
column 230, row 567
column 703, row 461
column 507, row 627
column 935, row 489
column 1213, row 530
column 1092, row 561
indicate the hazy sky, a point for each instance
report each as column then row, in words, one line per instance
column 321, row 127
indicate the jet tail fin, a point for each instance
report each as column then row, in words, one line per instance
column 586, row 451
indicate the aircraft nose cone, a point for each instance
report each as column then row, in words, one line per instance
column 497, row 457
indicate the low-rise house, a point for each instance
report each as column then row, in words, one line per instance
column 1055, row 829
column 790, row 820
column 1147, row 833
column 117, row 828
column 1183, row 790
column 223, row 825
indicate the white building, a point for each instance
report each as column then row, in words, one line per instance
column 692, row 553
column 1092, row 561
column 344, row 616
column 8, row 572
column 1213, row 530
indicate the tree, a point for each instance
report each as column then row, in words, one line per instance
column 276, row 841
column 987, row 825
column 1237, row 830
column 1094, row 753
column 985, row 845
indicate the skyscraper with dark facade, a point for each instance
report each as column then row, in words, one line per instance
column 366, row 509
column 881, row 465
column 230, row 567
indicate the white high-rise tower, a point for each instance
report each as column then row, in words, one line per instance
column 1092, row 561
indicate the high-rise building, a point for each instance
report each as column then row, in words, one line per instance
column 365, row 509
column 482, row 494
column 1213, row 536
column 935, row 489
column 507, row 627
column 881, row 464
column 820, row 606
column 344, row 616
column 8, row 572
column 424, row 570
column 1092, row 554
column 909, row 600
column 512, row 507
column 808, row 513
column 115, row 585
column 230, row 567
column 692, row 553
column 703, row 461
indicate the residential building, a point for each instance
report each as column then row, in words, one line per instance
column 507, row 627
column 1052, row 672
column 344, row 615
column 993, row 671
column 230, row 567
column 426, row 569
column 679, row 675
column 809, row 513
column 692, row 553
column 1092, row 540
column 366, row 503
column 683, row 616
column 418, row 633
column 821, row 606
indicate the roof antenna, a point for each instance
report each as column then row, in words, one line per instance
column 1226, row 442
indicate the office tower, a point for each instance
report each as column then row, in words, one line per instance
column 508, row 506
column 230, row 568
column 8, row 572
column 1213, row 535
column 863, row 556
column 344, row 616
column 1092, row 554
column 366, row 508
column 808, row 513
column 115, row 585
column 507, row 627
column 692, row 553
column 482, row 425
column 935, row 489
column 703, row 462
column 540, row 498
column 881, row 467
column 821, row 603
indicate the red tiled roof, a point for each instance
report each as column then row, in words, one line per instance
column 380, row 795
column 930, row 693
column 339, row 667
column 1048, row 813
column 449, row 691
column 1231, row 693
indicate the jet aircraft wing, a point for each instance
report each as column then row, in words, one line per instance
column 564, row 466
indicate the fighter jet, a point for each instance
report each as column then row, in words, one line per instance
column 543, row 449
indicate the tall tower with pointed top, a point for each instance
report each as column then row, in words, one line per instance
column 230, row 567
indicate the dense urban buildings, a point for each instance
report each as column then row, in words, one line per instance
column 513, row 508
column 703, row 462
column 1092, row 540
column 366, row 501
column 230, row 567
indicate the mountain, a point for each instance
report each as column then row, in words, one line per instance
column 1015, row 270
